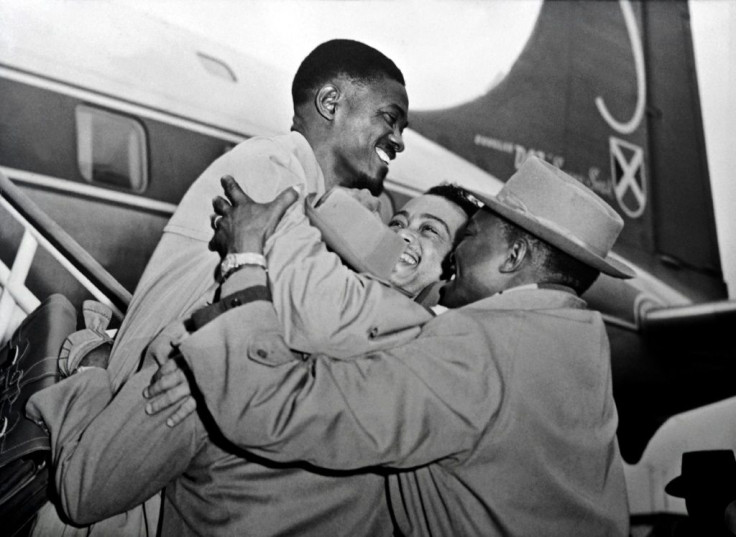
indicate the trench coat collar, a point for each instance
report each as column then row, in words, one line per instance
column 531, row 299
column 313, row 176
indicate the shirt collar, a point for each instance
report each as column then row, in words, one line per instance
column 520, row 288
column 534, row 296
column 313, row 176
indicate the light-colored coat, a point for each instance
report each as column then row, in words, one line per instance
column 499, row 416
column 322, row 305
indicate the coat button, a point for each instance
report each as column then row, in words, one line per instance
column 235, row 302
column 373, row 332
column 262, row 353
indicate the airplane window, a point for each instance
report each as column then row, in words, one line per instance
column 111, row 149
column 217, row 67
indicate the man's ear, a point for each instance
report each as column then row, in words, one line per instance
column 326, row 101
column 516, row 254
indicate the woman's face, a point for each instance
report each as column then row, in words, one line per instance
column 429, row 225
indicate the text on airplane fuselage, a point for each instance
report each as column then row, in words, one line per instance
column 600, row 184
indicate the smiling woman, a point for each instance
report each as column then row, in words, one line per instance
column 413, row 253
column 430, row 225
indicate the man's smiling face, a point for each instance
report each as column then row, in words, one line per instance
column 482, row 249
column 429, row 225
column 367, row 132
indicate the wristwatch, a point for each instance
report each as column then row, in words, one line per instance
column 232, row 262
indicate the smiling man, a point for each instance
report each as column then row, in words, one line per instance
column 350, row 107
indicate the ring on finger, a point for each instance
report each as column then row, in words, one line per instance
column 215, row 220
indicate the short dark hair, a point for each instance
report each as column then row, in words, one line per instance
column 463, row 199
column 457, row 195
column 337, row 57
column 559, row 268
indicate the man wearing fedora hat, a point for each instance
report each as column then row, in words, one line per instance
column 498, row 419
column 708, row 485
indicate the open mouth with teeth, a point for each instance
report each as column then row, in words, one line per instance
column 383, row 155
column 409, row 258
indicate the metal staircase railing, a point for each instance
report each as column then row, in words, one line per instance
column 39, row 229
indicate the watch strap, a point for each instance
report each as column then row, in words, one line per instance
column 204, row 315
column 233, row 262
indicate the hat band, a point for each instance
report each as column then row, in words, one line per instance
column 515, row 204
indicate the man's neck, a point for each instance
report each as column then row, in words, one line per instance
column 522, row 278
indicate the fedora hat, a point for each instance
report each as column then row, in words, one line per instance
column 551, row 205
column 704, row 470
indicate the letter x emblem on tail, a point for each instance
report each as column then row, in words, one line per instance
column 628, row 175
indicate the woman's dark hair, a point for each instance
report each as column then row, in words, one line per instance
column 467, row 202
column 457, row 195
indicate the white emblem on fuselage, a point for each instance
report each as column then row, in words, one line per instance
column 641, row 88
column 628, row 175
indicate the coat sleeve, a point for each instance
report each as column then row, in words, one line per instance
column 428, row 399
column 322, row 304
column 326, row 307
column 92, row 436
column 180, row 275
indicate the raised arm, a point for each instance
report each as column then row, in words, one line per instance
column 326, row 307
column 425, row 400
column 323, row 306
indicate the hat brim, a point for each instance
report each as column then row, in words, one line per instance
column 677, row 487
column 607, row 265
